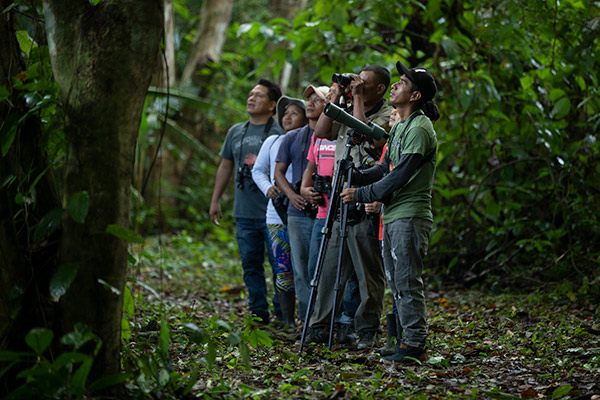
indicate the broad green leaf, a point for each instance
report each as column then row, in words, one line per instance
column 561, row 108
column 526, row 81
column 69, row 358
column 163, row 377
column 245, row 354
column 110, row 287
column 197, row 334
column 49, row 223
column 233, row 339
column 62, row 279
column 4, row 93
column 128, row 305
column 561, row 391
column 79, row 379
column 259, row 337
column 26, row 43
column 39, row 339
column 193, row 378
column 125, row 329
column 13, row 355
column 8, row 132
column 556, row 94
column 108, row 381
column 123, row 233
column 164, row 340
column 78, row 206
column 7, row 181
column 131, row 259
column 212, row 354
column 80, row 336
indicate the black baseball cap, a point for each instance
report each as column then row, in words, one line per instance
column 422, row 78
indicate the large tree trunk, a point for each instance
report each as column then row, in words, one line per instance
column 102, row 57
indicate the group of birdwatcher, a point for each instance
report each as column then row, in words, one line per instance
column 288, row 160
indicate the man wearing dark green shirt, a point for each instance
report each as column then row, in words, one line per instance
column 403, row 182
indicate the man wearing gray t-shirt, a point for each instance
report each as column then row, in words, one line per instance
column 238, row 153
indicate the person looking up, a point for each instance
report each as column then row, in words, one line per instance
column 238, row 155
column 292, row 152
column 361, row 253
column 290, row 114
column 403, row 182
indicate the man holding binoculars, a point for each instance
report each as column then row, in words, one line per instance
column 361, row 251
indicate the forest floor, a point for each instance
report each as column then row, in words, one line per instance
column 481, row 345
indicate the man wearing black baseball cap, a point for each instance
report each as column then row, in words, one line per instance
column 405, row 191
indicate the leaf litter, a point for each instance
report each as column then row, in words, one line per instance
column 481, row 344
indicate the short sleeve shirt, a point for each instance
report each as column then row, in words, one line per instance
column 322, row 153
column 241, row 146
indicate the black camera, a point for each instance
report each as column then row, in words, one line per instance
column 342, row 79
column 322, row 183
column 310, row 210
column 280, row 203
column 244, row 172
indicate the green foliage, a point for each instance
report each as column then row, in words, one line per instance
column 43, row 376
column 62, row 279
column 481, row 345
column 518, row 149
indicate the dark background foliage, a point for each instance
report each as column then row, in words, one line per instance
column 518, row 171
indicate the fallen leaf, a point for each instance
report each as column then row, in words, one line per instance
column 529, row 393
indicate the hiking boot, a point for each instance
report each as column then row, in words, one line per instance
column 345, row 334
column 366, row 340
column 317, row 336
column 390, row 348
column 407, row 354
column 287, row 302
column 394, row 333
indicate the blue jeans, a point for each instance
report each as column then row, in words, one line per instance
column 405, row 243
column 351, row 299
column 299, row 231
column 253, row 241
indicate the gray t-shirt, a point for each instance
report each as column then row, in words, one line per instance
column 241, row 146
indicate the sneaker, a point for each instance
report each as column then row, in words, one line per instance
column 317, row 336
column 345, row 334
column 407, row 354
column 366, row 340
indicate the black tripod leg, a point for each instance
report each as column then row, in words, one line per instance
column 338, row 272
column 326, row 232
column 337, row 185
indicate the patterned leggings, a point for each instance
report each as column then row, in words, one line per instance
column 280, row 243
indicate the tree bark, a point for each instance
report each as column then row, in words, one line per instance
column 286, row 8
column 103, row 57
column 210, row 37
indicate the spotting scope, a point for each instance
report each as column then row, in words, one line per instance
column 370, row 129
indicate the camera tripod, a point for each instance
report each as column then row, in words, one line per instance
column 342, row 174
